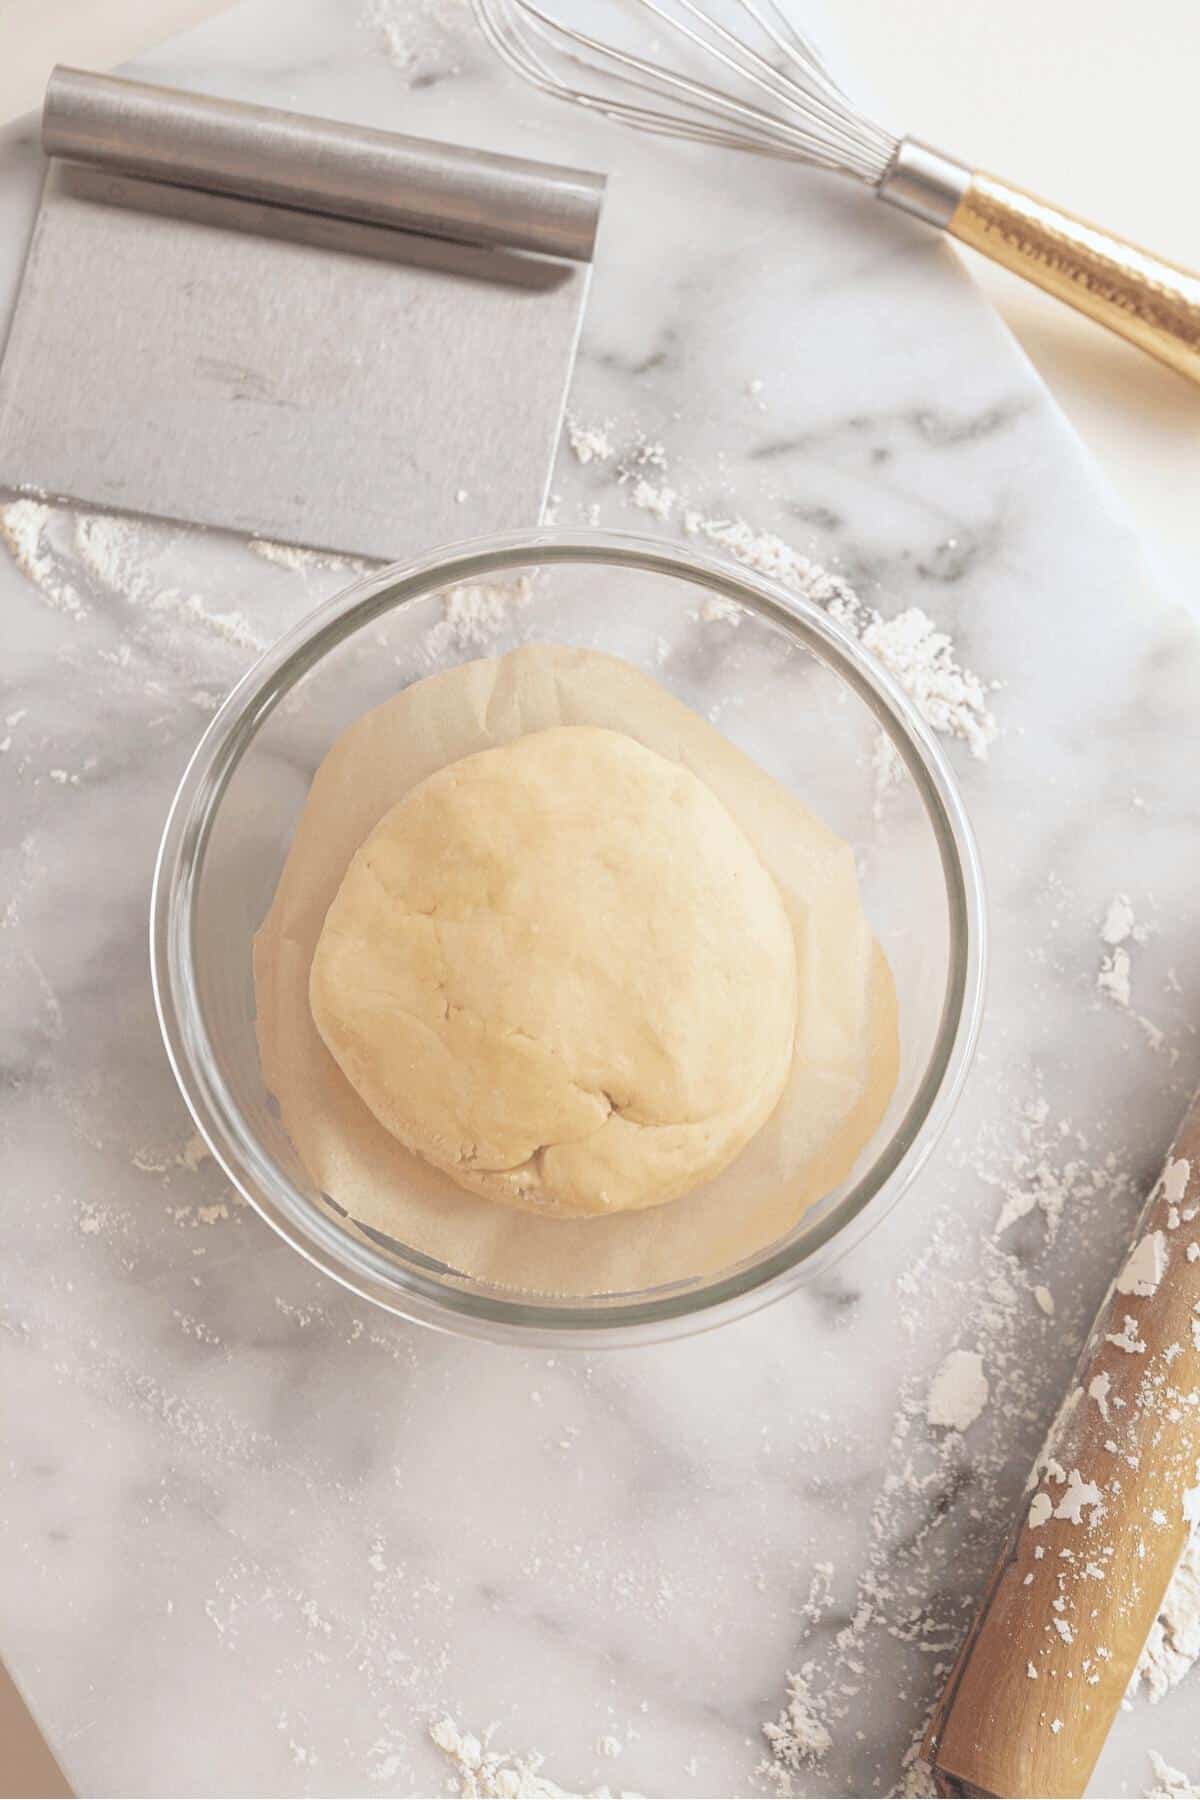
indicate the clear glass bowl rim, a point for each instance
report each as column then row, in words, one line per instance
column 672, row 1311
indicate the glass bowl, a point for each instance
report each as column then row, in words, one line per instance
column 778, row 677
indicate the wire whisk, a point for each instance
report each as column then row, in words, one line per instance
column 777, row 98
column 791, row 106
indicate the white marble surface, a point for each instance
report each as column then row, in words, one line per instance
column 255, row 1537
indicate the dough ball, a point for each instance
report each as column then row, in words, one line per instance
column 558, row 971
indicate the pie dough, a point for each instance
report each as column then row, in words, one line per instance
column 845, row 1051
column 559, row 972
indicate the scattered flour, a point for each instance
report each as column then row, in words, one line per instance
column 769, row 555
column 1173, row 1646
column 1146, row 1266
column 959, row 1391
column 153, row 1162
column 1098, row 1390
column 383, row 17
column 1119, row 929
column 1119, row 922
column 657, row 500
column 1127, row 1338
column 111, row 550
column 1038, row 1179
column 194, row 1152
column 919, row 657
column 23, row 527
column 472, row 615
column 234, row 627
column 1080, row 1495
column 923, row 661
column 300, row 561
column 591, row 443
column 414, row 36
column 1113, row 981
column 648, row 453
column 1169, row 1783
column 481, row 1771
column 797, row 1737
column 717, row 608
column 1175, row 1178
column 916, row 1777
column 939, row 1511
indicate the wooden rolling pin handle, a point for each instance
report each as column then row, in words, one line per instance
column 1069, row 1606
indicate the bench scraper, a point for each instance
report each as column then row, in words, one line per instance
column 236, row 316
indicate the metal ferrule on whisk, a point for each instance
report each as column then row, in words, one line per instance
column 921, row 181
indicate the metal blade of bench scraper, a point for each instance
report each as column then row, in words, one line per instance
column 225, row 362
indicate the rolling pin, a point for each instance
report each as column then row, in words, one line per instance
column 1104, row 1521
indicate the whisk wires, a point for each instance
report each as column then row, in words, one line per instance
column 783, row 102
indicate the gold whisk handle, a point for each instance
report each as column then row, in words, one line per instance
column 1153, row 303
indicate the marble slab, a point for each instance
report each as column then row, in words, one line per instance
column 257, row 1537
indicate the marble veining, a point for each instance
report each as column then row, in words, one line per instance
column 257, row 1536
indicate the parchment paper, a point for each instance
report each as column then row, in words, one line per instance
column 846, row 1053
